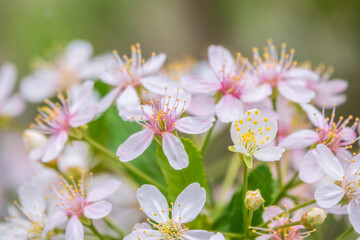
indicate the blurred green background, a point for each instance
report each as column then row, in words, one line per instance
column 325, row 31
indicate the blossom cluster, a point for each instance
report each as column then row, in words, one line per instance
column 90, row 171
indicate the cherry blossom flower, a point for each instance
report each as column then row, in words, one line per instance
column 161, row 119
column 163, row 226
column 345, row 187
column 296, row 232
column 327, row 91
column 218, row 236
column 231, row 81
column 251, row 135
column 336, row 135
column 57, row 119
column 75, row 200
column 10, row 106
column 282, row 73
column 70, row 68
column 127, row 73
column 28, row 219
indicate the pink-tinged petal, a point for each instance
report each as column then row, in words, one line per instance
column 98, row 209
column 153, row 203
column 39, row 86
column 338, row 210
column 310, row 171
column 135, row 113
column 170, row 100
column 157, row 84
column 175, row 152
column 108, row 99
column 314, row 115
column 228, row 108
column 79, row 95
column 300, row 139
column 128, row 97
column 329, row 100
column 54, row 146
column 135, row 145
column 74, row 229
column 32, row 201
column 37, row 154
column 197, row 235
column 348, row 134
column 302, row 74
column 219, row 58
column 12, row 106
column 7, row 80
column 189, row 203
column 329, row 163
column 139, row 233
column 153, row 64
column 336, row 86
column 74, row 155
column 268, row 154
column 346, row 158
column 329, row 195
column 257, row 94
column 197, row 104
column 78, row 53
column 104, row 191
column 196, row 84
column 295, row 92
column 194, row 125
column 83, row 117
column 218, row 236
column 354, row 215
column 55, row 220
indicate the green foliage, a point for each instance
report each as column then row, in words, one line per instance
column 177, row 180
column 232, row 218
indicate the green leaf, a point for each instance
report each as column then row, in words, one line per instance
column 232, row 218
column 110, row 130
column 177, row 180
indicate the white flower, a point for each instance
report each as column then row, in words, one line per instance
column 187, row 206
column 251, row 135
column 10, row 106
column 345, row 187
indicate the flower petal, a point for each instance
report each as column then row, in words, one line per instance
column 218, row 236
column 74, row 155
column 300, row 139
column 136, row 112
column 135, row 145
column 194, row 125
column 153, row 203
column 329, row 195
column 257, row 94
column 108, row 99
column 74, row 229
column 12, row 106
column 195, row 84
column 295, row 92
column 128, row 97
column 329, row 163
column 354, row 215
column 268, row 154
column 157, row 84
column 220, row 59
column 310, row 171
column 97, row 210
column 7, row 80
column 228, row 108
column 54, row 146
column 314, row 115
column 153, row 64
column 175, row 152
column 32, row 201
column 104, row 191
column 55, row 220
column 189, row 203
column 197, row 235
column 197, row 104
column 78, row 53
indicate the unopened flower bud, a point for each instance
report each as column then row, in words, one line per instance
column 314, row 216
column 253, row 200
column 33, row 139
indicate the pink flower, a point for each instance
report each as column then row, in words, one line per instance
column 56, row 119
column 327, row 92
column 231, row 81
column 336, row 135
column 345, row 187
column 10, row 106
column 161, row 118
column 281, row 73
column 74, row 200
column 186, row 208
column 69, row 68
column 128, row 73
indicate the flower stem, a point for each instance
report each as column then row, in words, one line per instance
column 123, row 166
column 287, row 225
column 346, row 233
column 250, row 216
column 291, row 210
column 245, row 186
column 113, row 226
column 279, row 173
column 96, row 232
column 284, row 189
column 207, row 138
column 233, row 235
